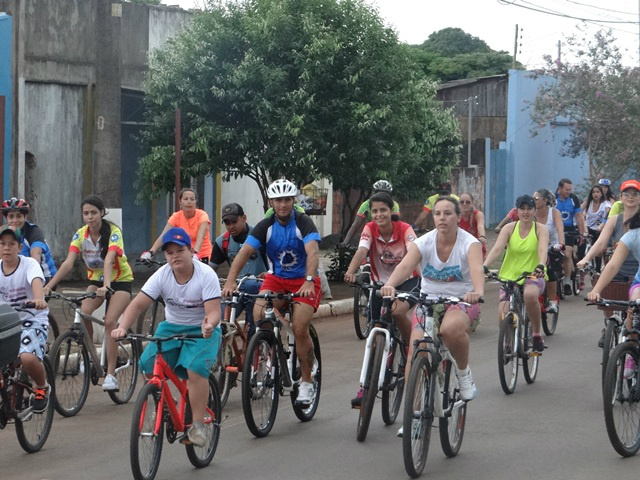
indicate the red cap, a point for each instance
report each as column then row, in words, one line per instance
column 630, row 184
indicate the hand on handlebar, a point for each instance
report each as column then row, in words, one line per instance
column 118, row 333
column 40, row 304
column 146, row 255
column 472, row 297
column 593, row 296
column 582, row 263
column 229, row 288
column 104, row 291
column 350, row 278
column 388, row 291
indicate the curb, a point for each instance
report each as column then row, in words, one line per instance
column 334, row 308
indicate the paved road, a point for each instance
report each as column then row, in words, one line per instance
column 551, row 429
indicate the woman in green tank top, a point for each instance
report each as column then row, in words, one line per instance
column 526, row 242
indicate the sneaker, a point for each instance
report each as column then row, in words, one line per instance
column 110, row 384
column 629, row 367
column 356, row 402
column 537, row 344
column 567, row 289
column 601, row 339
column 399, row 433
column 41, row 399
column 315, row 368
column 553, row 307
column 306, row 392
column 468, row 390
column 196, row 434
column 414, row 426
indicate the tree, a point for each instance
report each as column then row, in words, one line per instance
column 311, row 89
column 148, row 2
column 454, row 41
column 601, row 98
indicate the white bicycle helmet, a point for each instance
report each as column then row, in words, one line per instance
column 281, row 188
column 382, row 186
column 604, row 181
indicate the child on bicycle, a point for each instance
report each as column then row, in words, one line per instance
column 191, row 292
column 21, row 279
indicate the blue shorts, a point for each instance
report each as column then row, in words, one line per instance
column 34, row 339
column 197, row 355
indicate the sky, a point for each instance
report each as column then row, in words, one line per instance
column 495, row 22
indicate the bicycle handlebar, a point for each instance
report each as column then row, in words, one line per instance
column 432, row 299
column 23, row 305
column 78, row 300
column 149, row 263
column 603, row 302
column 178, row 336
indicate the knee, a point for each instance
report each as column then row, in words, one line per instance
column 300, row 330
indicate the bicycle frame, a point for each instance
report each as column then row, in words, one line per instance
column 78, row 324
column 277, row 322
column 9, row 382
column 162, row 372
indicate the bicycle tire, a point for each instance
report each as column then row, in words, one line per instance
column 508, row 353
column 53, row 331
column 126, row 371
column 560, row 289
column 143, row 423
column 305, row 414
column 261, row 382
column 201, row 457
column 609, row 344
column 393, row 387
column 224, row 378
column 33, row 432
column 530, row 362
column 72, row 373
column 361, row 313
column 452, row 425
column 370, row 387
column 418, row 408
column 550, row 320
column 621, row 401
column 575, row 282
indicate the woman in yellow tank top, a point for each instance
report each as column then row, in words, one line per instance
column 526, row 242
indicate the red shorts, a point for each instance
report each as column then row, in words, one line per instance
column 276, row 284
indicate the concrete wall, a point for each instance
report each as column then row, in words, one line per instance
column 5, row 91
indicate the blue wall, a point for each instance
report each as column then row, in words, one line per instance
column 5, row 90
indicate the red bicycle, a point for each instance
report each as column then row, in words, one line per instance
column 156, row 412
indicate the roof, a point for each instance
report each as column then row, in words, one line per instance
column 468, row 81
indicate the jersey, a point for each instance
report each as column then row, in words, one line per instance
column 191, row 226
column 296, row 207
column 17, row 287
column 568, row 209
column 82, row 244
column 284, row 244
column 386, row 255
column 32, row 237
column 365, row 210
column 184, row 303
column 431, row 201
column 226, row 248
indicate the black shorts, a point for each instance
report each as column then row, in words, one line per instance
column 571, row 236
column 411, row 285
column 115, row 286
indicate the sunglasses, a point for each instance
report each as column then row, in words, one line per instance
column 465, row 202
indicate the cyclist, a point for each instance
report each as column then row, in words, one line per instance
column 569, row 206
column 291, row 242
column 444, row 190
column 22, row 279
column 364, row 212
column 34, row 245
column 191, row 219
column 191, row 292
column 460, row 275
column 227, row 246
column 472, row 220
column 386, row 241
column 605, row 184
column 101, row 246
column 511, row 216
column 549, row 215
column 526, row 242
column 596, row 209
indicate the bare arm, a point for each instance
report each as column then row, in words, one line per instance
column 156, row 245
column 501, row 243
column 421, row 219
column 108, row 268
column 36, row 253
column 239, row 262
column 480, row 226
column 202, row 230
column 405, row 268
column 557, row 221
column 355, row 228
column 356, row 261
column 610, row 270
column 602, row 242
column 313, row 259
column 582, row 227
column 543, row 243
column 64, row 268
column 138, row 305
column 474, row 258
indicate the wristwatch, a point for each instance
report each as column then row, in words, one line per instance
column 309, row 278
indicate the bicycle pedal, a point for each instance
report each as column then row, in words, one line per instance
column 184, row 440
column 535, row 354
column 231, row 369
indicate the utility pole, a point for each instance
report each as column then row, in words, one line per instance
column 560, row 52
column 515, row 47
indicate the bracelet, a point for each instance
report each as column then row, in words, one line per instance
column 482, row 236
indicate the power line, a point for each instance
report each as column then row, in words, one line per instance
column 560, row 14
column 601, row 8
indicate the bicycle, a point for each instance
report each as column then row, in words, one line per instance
column 17, row 391
column 363, row 290
column 432, row 391
column 149, row 320
column 76, row 362
column 383, row 367
column 515, row 338
column 155, row 412
column 550, row 320
column 621, row 394
column 271, row 368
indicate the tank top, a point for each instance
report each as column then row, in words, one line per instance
column 595, row 219
column 522, row 254
column 630, row 266
column 551, row 226
column 470, row 225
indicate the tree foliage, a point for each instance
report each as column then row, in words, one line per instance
column 601, row 98
column 270, row 88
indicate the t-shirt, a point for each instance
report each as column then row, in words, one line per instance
column 365, row 210
column 32, row 237
column 256, row 264
column 17, row 287
column 284, row 244
column 631, row 239
column 431, row 201
column 451, row 277
column 513, row 215
column 385, row 256
column 184, row 303
column 616, row 209
column 191, row 226
column 83, row 244
column 597, row 218
column 296, row 206
column 568, row 209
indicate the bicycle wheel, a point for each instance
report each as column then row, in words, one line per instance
column 529, row 360
column 418, row 417
column 32, row 428
column 575, row 282
column 147, row 432
column 224, row 378
column 200, row 457
column 560, row 289
column 260, row 384
column 306, row 413
column 54, row 331
column 455, row 413
column 371, row 386
column 361, row 312
column 126, row 371
column 508, row 353
column 622, row 400
column 550, row 320
column 71, row 367
column 393, row 387
column 609, row 344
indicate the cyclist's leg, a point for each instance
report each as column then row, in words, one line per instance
column 417, row 332
column 503, row 306
column 302, row 313
column 118, row 302
column 532, row 290
column 399, row 312
column 634, row 294
column 454, row 330
column 90, row 305
column 198, row 395
column 249, row 286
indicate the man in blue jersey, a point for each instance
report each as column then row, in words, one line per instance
column 574, row 227
column 291, row 242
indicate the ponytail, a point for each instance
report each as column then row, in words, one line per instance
column 634, row 222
